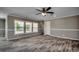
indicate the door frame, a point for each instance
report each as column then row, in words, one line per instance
column 4, row 16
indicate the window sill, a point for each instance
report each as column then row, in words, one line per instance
column 26, row 33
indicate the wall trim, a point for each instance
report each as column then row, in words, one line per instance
column 64, row 37
column 26, row 36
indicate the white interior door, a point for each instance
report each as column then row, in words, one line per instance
column 47, row 27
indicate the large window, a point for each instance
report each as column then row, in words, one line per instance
column 19, row 27
column 28, row 27
column 25, row 27
column 35, row 27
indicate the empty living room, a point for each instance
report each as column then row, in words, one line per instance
column 39, row 29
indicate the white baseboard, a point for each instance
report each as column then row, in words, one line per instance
column 14, row 38
column 64, row 37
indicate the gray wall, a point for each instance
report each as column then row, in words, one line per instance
column 2, row 27
column 11, row 34
column 66, row 27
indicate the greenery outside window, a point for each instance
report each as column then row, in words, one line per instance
column 19, row 27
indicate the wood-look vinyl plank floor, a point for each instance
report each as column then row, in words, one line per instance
column 42, row 44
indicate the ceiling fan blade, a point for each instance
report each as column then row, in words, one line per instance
column 43, row 9
column 38, row 13
column 39, row 10
column 50, row 12
column 48, row 8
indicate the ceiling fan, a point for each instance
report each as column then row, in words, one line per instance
column 45, row 11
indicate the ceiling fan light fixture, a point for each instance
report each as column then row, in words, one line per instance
column 45, row 11
column 44, row 14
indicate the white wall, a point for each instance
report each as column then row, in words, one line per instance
column 67, row 27
column 66, row 11
column 2, row 15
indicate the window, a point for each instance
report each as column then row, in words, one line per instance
column 19, row 27
column 28, row 27
column 35, row 27
column 22, row 27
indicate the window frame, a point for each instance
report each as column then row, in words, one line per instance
column 28, row 22
column 35, row 26
column 24, row 27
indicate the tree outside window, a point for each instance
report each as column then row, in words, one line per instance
column 19, row 27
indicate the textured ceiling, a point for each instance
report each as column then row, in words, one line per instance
column 30, row 12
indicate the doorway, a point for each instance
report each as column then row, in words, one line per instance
column 2, row 28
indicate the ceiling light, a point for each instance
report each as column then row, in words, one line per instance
column 44, row 14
